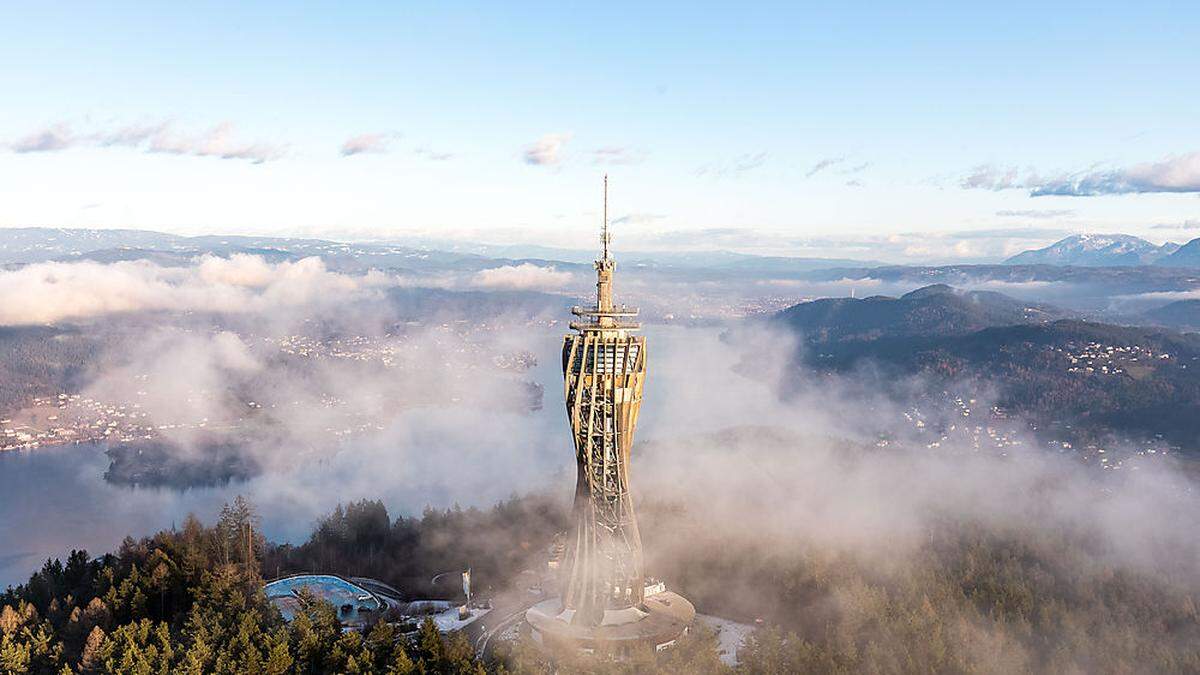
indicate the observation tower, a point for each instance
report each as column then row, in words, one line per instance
column 605, row 602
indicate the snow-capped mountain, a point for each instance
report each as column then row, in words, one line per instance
column 1187, row 255
column 1096, row 250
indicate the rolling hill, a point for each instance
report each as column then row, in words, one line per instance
column 1181, row 314
column 938, row 309
column 1093, row 379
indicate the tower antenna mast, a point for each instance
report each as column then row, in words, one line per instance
column 604, row 232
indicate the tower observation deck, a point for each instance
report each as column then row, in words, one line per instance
column 603, row 585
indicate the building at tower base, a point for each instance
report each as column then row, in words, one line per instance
column 660, row 620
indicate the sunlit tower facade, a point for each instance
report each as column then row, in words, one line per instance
column 604, row 369
column 606, row 602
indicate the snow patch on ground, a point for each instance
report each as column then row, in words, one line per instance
column 448, row 620
column 730, row 635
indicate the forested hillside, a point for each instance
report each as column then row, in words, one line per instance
column 1096, row 379
column 40, row 361
column 968, row 600
column 191, row 601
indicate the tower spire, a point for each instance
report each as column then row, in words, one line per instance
column 604, row 269
column 605, row 315
column 604, row 232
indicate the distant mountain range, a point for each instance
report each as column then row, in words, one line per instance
column 37, row 244
column 1111, row 250
column 40, row 244
column 1187, row 255
column 714, row 259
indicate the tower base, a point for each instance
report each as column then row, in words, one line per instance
column 656, row 624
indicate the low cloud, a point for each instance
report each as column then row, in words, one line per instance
column 793, row 479
column 219, row 141
column 1010, row 287
column 365, row 143
column 547, row 150
column 525, row 276
column 806, row 486
column 64, row 291
column 943, row 248
column 1162, row 297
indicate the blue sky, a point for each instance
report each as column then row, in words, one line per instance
column 902, row 131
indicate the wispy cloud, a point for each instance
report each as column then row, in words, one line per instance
column 737, row 165
column 991, row 177
column 218, row 141
column 432, row 155
column 1035, row 213
column 130, row 136
column 54, row 137
column 824, row 164
column 365, row 143
column 749, row 161
column 547, row 150
column 1185, row 225
column 159, row 137
column 637, row 218
column 617, row 155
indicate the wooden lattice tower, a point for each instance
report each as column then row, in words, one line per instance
column 604, row 368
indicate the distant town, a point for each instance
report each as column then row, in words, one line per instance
column 75, row 417
column 973, row 426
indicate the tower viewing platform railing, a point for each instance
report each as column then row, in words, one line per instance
column 598, row 315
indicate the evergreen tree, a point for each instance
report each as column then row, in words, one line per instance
column 90, row 661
